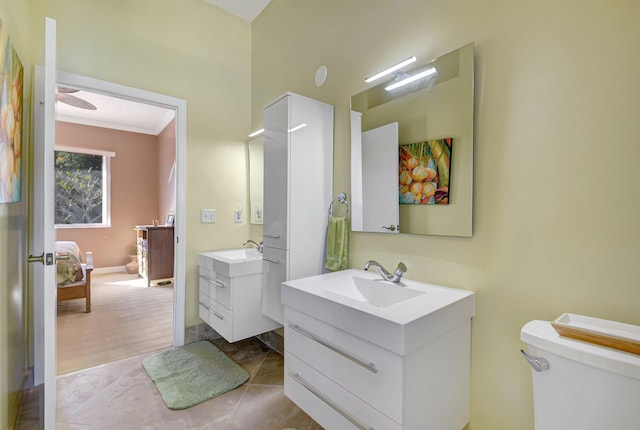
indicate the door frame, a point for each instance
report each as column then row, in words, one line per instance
column 180, row 108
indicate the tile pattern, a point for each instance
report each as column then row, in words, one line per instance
column 274, row 339
column 121, row 396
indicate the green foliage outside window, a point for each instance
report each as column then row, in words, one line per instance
column 78, row 188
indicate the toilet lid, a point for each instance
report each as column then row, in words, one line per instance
column 541, row 335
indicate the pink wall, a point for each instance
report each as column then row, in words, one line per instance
column 166, row 174
column 134, row 189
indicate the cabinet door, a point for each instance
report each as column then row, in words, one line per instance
column 276, row 162
column 160, row 253
column 310, row 182
column 274, row 266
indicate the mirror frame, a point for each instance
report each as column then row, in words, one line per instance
column 434, row 108
column 255, row 149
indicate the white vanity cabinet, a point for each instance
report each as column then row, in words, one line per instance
column 351, row 365
column 230, row 296
column 298, row 186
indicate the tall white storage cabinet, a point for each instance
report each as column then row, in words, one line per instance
column 298, row 186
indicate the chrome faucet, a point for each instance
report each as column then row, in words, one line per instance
column 396, row 276
column 257, row 245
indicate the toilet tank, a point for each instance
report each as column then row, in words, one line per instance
column 586, row 387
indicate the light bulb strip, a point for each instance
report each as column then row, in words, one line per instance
column 410, row 79
column 391, row 69
column 257, row 132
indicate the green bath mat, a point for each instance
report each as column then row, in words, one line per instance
column 192, row 374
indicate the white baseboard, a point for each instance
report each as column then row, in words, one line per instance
column 113, row 269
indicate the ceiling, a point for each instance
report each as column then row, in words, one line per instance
column 245, row 9
column 116, row 113
column 122, row 114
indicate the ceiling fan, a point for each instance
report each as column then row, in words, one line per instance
column 64, row 96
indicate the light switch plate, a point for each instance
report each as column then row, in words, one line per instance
column 207, row 216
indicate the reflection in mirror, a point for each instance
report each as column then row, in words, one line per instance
column 374, row 188
column 256, row 179
column 440, row 106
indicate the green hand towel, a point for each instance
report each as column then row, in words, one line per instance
column 337, row 246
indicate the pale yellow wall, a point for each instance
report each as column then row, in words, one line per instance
column 556, row 130
column 14, row 297
column 556, row 225
column 185, row 49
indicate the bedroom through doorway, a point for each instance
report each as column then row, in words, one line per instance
column 129, row 314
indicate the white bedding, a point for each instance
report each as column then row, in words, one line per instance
column 68, row 270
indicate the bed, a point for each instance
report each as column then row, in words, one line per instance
column 73, row 277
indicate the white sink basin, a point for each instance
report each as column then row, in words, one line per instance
column 237, row 255
column 376, row 292
column 233, row 262
column 399, row 317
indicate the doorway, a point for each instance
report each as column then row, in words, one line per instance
column 177, row 188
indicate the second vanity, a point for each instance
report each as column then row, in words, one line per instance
column 230, row 293
column 364, row 353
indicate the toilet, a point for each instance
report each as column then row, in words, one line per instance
column 579, row 385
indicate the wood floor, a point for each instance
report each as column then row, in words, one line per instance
column 127, row 319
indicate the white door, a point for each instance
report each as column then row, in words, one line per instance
column 44, row 279
column 380, row 179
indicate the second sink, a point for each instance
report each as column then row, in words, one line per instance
column 241, row 254
column 232, row 262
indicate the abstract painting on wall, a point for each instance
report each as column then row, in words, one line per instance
column 12, row 75
column 424, row 172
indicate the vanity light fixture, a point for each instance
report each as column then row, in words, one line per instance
column 257, row 132
column 391, row 69
column 423, row 74
column 297, row 127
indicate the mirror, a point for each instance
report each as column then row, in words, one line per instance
column 433, row 119
column 256, row 179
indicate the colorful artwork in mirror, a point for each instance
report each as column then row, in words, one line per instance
column 10, row 120
column 424, row 172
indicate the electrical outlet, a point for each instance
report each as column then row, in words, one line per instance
column 207, row 216
column 237, row 214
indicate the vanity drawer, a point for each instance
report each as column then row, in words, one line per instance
column 203, row 312
column 219, row 318
column 218, row 288
column 205, row 266
column 370, row 372
column 205, row 270
column 328, row 403
column 207, row 301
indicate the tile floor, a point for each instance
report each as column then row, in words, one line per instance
column 121, row 396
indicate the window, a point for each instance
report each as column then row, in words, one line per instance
column 82, row 195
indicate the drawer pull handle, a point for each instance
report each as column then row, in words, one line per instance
column 271, row 260
column 329, row 403
column 217, row 284
column 275, row 236
column 369, row 366
column 217, row 315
